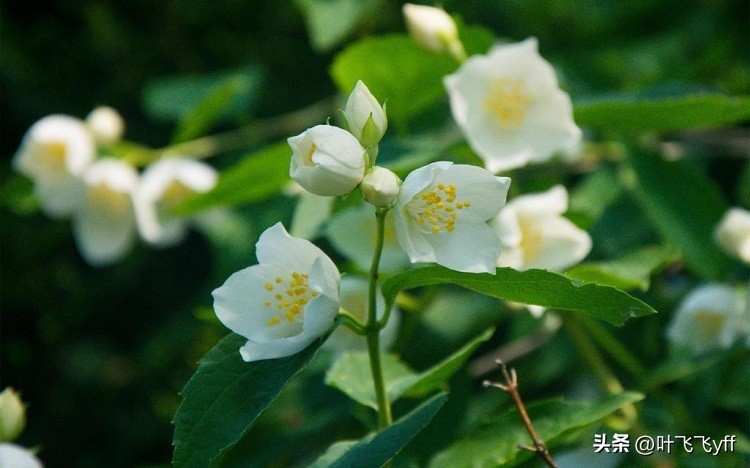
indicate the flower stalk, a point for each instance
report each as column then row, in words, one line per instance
column 373, row 327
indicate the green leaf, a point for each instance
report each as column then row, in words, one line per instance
column 224, row 398
column 631, row 271
column 258, row 176
column 625, row 114
column 330, row 21
column 496, row 443
column 684, row 206
column 538, row 287
column 592, row 196
column 171, row 98
column 396, row 70
column 379, row 447
column 17, row 195
column 212, row 108
column 351, row 374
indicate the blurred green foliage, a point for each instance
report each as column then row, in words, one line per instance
column 100, row 355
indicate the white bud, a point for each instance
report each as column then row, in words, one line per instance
column 327, row 160
column 12, row 415
column 106, row 124
column 380, row 186
column 365, row 116
column 733, row 233
column 432, row 28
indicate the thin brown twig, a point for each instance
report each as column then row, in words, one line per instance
column 511, row 388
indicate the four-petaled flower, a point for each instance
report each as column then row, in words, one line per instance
column 442, row 212
column 510, row 108
column 285, row 302
column 534, row 234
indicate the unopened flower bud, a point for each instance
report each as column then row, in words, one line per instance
column 106, row 124
column 12, row 415
column 433, row 29
column 733, row 233
column 327, row 160
column 380, row 186
column 365, row 116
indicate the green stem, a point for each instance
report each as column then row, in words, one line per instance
column 351, row 321
column 373, row 329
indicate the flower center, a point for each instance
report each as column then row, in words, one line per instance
column 531, row 240
column 435, row 210
column 175, row 193
column 53, row 155
column 508, row 102
column 308, row 156
column 114, row 201
column 288, row 297
column 710, row 322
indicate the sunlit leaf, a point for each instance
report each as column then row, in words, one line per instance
column 329, row 22
column 538, row 287
column 379, row 447
column 224, row 398
column 497, row 442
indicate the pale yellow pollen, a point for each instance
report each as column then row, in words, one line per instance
column 308, row 156
column 508, row 102
column 291, row 302
column 53, row 156
column 531, row 240
column 114, row 201
column 175, row 193
column 710, row 322
column 436, row 208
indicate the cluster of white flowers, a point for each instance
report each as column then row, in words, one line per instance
column 106, row 198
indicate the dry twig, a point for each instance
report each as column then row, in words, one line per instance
column 511, row 388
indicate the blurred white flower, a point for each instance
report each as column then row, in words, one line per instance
column 712, row 316
column 104, row 225
column 380, row 186
column 164, row 185
column 510, row 108
column 433, row 29
column 442, row 213
column 14, row 456
column 12, row 415
column 534, row 234
column 54, row 153
column 310, row 213
column 365, row 116
column 353, row 297
column 733, row 233
column 353, row 233
column 327, row 160
column 285, row 302
column 106, row 124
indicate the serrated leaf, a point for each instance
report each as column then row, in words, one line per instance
column 685, row 207
column 496, row 443
column 258, row 176
column 631, row 271
column 539, row 287
column 171, row 98
column 628, row 114
column 395, row 69
column 351, row 374
column 379, row 447
column 329, row 22
column 225, row 396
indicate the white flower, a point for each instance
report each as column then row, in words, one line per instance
column 12, row 415
column 104, row 225
column 380, row 186
column 442, row 212
column 433, row 29
column 365, row 116
column 14, row 456
column 710, row 317
column 285, row 302
column 510, row 108
column 54, row 153
column 327, row 160
column 106, row 124
column 534, row 234
column 733, row 233
column 310, row 213
column 164, row 185
column 353, row 232
column 353, row 296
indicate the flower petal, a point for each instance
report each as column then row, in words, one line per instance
column 472, row 248
column 563, row 244
column 276, row 246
